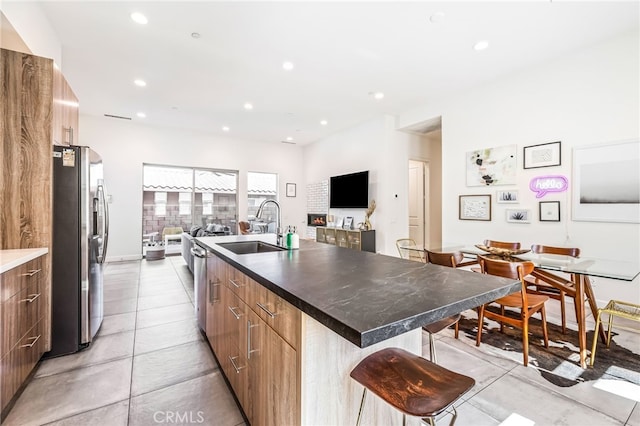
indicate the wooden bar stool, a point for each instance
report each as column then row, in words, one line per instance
column 614, row 308
column 410, row 383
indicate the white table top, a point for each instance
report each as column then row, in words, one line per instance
column 10, row 259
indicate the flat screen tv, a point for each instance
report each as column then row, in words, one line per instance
column 349, row 191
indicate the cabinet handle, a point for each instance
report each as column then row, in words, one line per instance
column 212, row 292
column 30, row 345
column 233, row 363
column 236, row 285
column 264, row 308
column 233, row 311
column 249, row 350
column 31, row 298
column 31, row 272
column 70, row 133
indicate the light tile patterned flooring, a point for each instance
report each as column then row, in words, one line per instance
column 150, row 365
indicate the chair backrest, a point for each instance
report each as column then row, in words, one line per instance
column 514, row 270
column 244, row 227
column 502, row 244
column 445, row 259
column 566, row 251
column 404, row 242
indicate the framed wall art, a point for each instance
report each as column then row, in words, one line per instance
column 510, row 197
column 542, row 155
column 492, row 166
column 291, row 190
column 549, row 211
column 606, row 182
column 518, row 215
column 475, row 207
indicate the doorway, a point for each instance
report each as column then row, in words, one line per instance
column 418, row 202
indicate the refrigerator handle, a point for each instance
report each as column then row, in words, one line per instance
column 105, row 230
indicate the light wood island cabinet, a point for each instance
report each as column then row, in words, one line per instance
column 254, row 334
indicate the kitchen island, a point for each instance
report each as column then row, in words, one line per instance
column 300, row 320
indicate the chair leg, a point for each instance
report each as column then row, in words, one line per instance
column 563, row 313
column 609, row 331
column 502, row 323
column 480, row 319
column 595, row 339
column 545, row 333
column 456, row 329
column 432, row 349
column 455, row 416
column 525, row 341
column 364, row 395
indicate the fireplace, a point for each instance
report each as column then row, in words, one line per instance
column 316, row 219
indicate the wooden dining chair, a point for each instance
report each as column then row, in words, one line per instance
column 450, row 260
column 528, row 304
column 244, row 227
column 401, row 243
column 502, row 244
column 551, row 285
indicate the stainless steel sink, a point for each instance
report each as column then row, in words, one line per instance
column 248, row 247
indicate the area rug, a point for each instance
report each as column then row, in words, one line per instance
column 559, row 363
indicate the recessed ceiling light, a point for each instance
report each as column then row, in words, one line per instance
column 140, row 83
column 248, row 106
column 324, row 122
column 139, row 18
column 225, row 129
column 481, row 45
column 378, row 95
column 289, row 138
column 437, row 17
column 287, row 66
column 141, row 114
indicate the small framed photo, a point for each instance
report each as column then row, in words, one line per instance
column 475, row 207
column 348, row 222
column 518, row 215
column 549, row 211
column 510, row 197
column 291, row 190
column 542, row 155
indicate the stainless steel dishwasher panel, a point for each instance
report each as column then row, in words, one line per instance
column 200, row 284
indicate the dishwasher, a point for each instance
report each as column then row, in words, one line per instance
column 200, row 284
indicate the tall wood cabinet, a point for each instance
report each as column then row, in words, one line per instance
column 36, row 106
column 255, row 335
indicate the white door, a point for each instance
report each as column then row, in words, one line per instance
column 417, row 197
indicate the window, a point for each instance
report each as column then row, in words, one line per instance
column 261, row 186
column 184, row 203
column 207, row 203
column 160, row 202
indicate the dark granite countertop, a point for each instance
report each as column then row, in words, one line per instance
column 364, row 297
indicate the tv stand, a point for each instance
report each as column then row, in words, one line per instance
column 354, row 239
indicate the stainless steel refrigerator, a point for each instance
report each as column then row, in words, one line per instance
column 80, row 235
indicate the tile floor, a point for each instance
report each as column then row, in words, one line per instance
column 151, row 365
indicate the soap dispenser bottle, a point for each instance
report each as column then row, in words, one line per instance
column 288, row 239
column 295, row 239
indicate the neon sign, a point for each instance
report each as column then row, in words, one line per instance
column 541, row 185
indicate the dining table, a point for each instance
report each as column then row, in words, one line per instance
column 580, row 269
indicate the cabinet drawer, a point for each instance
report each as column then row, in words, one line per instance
column 279, row 314
column 20, row 277
column 236, row 281
column 19, row 362
column 21, row 312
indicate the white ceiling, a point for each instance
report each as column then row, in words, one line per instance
column 342, row 52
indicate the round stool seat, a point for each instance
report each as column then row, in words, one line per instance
column 410, row 383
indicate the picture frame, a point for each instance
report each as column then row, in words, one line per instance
column 508, row 197
column 492, row 166
column 542, row 155
column 518, row 215
column 549, row 211
column 348, row 222
column 606, row 182
column 474, row 207
column 291, row 190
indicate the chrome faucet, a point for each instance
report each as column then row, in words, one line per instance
column 278, row 218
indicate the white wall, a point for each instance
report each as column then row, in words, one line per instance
column 34, row 28
column 125, row 146
column 589, row 97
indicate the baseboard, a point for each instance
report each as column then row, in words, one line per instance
column 123, row 258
